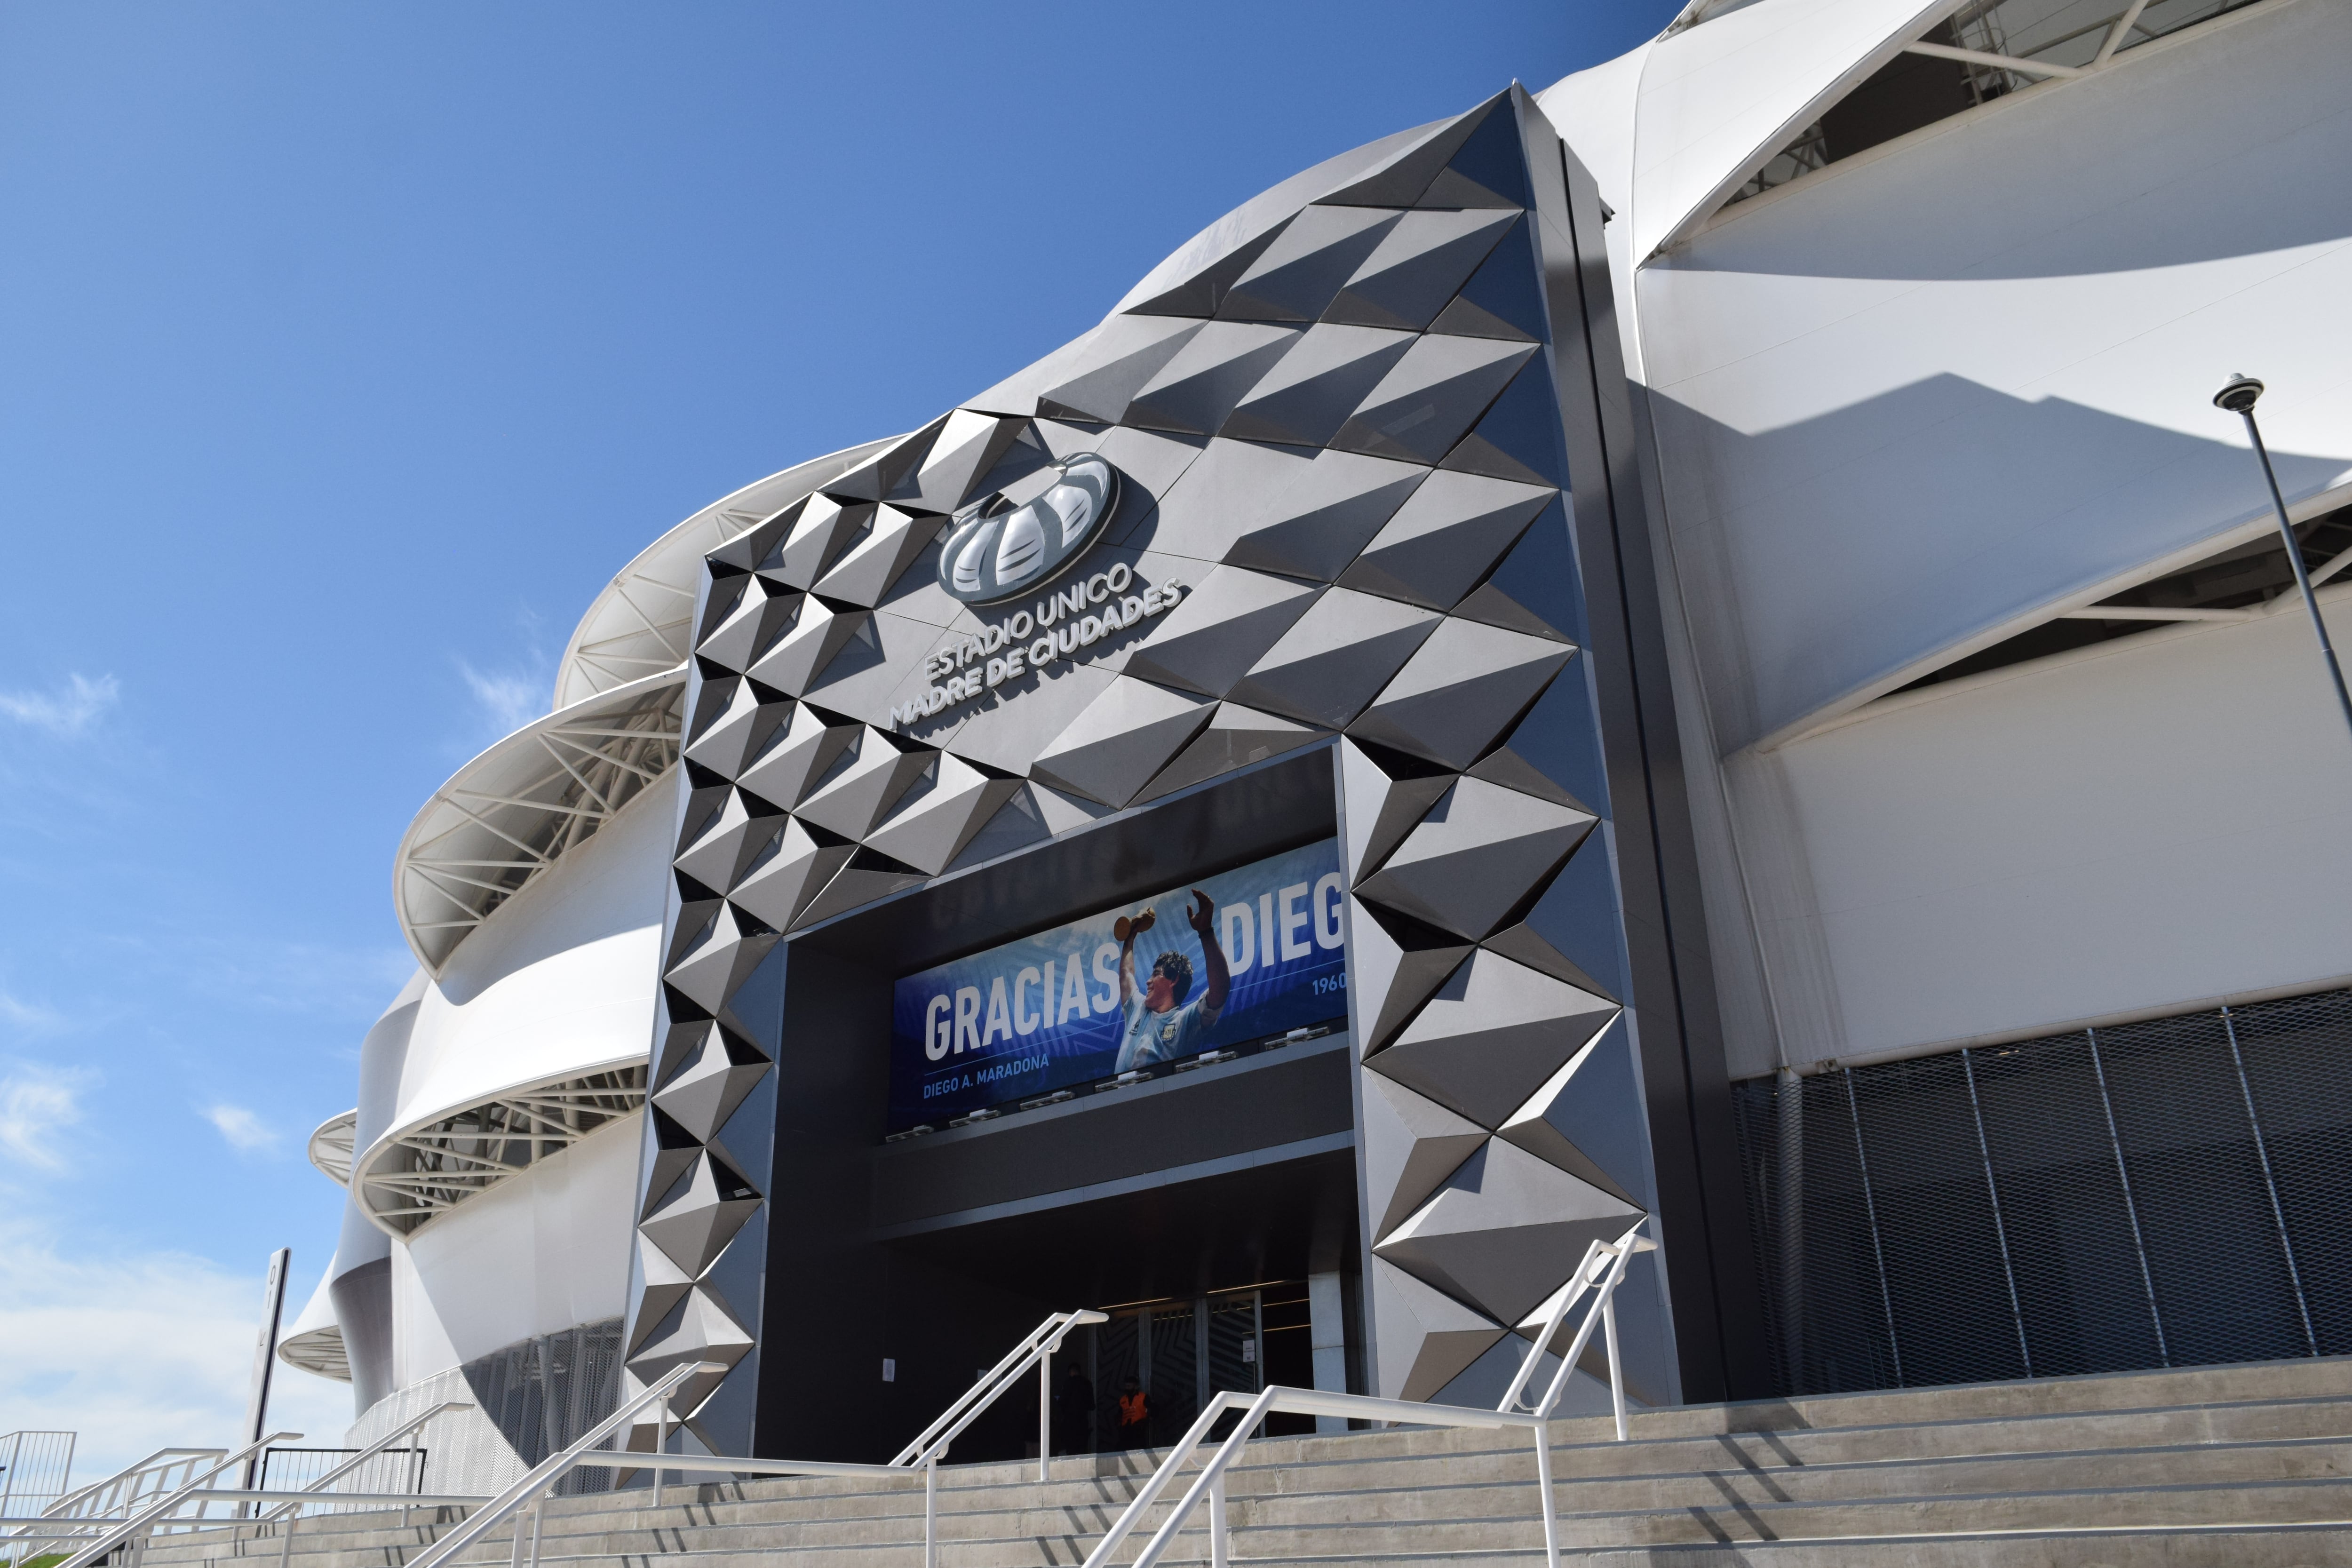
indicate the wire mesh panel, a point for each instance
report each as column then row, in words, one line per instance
column 2068, row 1219
column 1947, row 1273
column 2172, row 1193
column 544, row 1393
column 2205, row 1215
column 387, row 1470
column 2302, row 1096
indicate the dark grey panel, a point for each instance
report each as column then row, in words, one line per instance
column 1193, row 392
column 1336, row 659
column 1444, row 540
column 1304, row 400
column 1418, row 268
column 1460, row 691
column 1296, row 276
column 1261, row 1102
column 1434, row 394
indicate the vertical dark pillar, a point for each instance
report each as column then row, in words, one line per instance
column 1711, row 1268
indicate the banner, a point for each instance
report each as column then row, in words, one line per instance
column 1068, row 1007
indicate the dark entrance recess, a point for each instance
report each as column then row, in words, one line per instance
column 1173, row 1199
column 1178, row 1352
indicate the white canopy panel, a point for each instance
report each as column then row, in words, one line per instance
column 638, row 625
column 511, row 813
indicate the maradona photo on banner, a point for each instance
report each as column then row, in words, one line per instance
column 1259, row 951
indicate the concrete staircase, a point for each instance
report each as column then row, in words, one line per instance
column 2242, row 1466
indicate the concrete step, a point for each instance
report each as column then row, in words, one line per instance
column 2240, row 1465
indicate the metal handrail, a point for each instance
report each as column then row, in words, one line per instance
column 364, row 1455
column 552, row 1469
column 1611, row 1260
column 141, row 1523
column 64, row 1507
column 1034, row 1350
column 1298, row 1402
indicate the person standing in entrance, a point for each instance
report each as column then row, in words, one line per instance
column 1160, row 1025
column 1134, row 1416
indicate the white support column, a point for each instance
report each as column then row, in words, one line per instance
column 1327, row 1333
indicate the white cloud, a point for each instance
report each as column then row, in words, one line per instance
column 37, row 1105
column 141, row 1351
column 511, row 700
column 28, row 1018
column 71, row 709
column 246, row 1132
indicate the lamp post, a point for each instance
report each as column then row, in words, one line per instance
column 2238, row 398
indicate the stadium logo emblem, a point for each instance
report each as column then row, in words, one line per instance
column 993, row 554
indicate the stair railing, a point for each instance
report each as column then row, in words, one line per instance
column 1036, row 1350
column 1210, row 1481
column 142, row 1521
column 531, row 1491
column 102, row 1502
column 1599, row 1275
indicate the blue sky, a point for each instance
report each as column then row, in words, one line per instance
column 345, row 353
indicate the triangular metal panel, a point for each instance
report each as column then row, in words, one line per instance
column 1222, row 628
column 1505, row 297
column 1304, row 400
column 1478, row 856
column 1504, row 1231
column 1398, row 180
column 1467, row 685
column 1125, row 735
column 1574, row 931
column 1491, row 1035
column 1194, row 391
column 777, row 890
column 1396, row 964
column 1316, row 525
column 1336, row 659
column 1236, row 736
column 1536, row 588
column 1424, row 1338
column 1419, row 268
column 1387, row 793
column 1296, row 275
column 1122, row 355
column 1431, row 395
column 1410, row 1144
column 1443, row 541
column 1518, row 436
column 1587, row 1118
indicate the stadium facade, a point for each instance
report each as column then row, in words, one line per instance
column 1686, row 650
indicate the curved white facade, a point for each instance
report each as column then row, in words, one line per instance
column 1893, row 413
column 1937, row 393
column 531, row 1027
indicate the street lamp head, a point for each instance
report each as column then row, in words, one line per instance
column 2239, row 396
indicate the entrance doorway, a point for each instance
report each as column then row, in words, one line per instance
column 1176, row 1353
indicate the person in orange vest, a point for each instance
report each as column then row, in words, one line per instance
column 1134, row 1416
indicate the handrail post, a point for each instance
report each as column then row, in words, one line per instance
column 537, row 1521
column 1045, row 1409
column 1616, row 1367
column 1219, row 1548
column 931, row 1511
column 1543, row 1485
column 661, row 1447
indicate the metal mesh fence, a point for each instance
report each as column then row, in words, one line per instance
column 2176, row 1192
column 544, row 1393
column 296, row 1469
